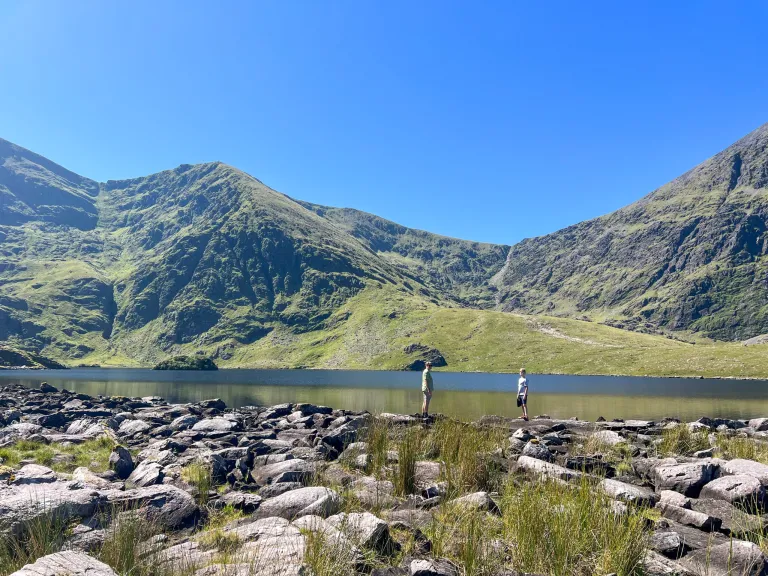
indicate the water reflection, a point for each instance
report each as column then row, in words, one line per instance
column 464, row 395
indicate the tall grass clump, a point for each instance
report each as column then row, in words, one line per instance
column 681, row 440
column 470, row 538
column 740, row 447
column 38, row 537
column 324, row 555
column 198, row 475
column 407, row 454
column 464, row 450
column 570, row 530
column 377, row 435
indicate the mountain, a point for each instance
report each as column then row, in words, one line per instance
column 202, row 255
column 207, row 259
column 690, row 256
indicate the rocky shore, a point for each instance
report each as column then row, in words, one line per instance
column 112, row 485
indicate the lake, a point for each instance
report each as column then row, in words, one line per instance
column 463, row 395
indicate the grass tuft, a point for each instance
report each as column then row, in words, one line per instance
column 680, row 440
column 198, row 475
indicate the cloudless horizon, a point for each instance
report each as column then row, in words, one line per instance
column 492, row 122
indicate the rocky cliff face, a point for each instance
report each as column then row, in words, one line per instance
column 691, row 255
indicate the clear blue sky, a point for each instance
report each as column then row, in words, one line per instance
column 488, row 120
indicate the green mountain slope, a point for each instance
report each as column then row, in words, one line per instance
column 690, row 256
column 206, row 258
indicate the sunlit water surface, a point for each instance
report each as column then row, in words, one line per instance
column 463, row 395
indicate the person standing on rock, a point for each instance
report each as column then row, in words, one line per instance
column 426, row 389
column 522, row 393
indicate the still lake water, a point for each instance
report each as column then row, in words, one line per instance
column 463, row 395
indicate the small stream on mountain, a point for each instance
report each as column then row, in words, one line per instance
column 460, row 394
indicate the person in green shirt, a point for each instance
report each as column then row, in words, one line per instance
column 426, row 389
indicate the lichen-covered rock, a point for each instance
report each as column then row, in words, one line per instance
column 315, row 500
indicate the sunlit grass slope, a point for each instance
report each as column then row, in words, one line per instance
column 372, row 329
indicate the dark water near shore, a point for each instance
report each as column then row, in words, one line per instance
column 463, row 395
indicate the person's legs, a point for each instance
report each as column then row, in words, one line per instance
column 427, row 398
column 424, row 403
column 525, row 409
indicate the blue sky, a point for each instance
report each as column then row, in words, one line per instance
column 491, row 121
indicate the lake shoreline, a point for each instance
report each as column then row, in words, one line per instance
column 383, row 486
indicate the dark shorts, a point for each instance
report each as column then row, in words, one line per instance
column 521, row 401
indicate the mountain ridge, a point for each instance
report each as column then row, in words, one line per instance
column 207, row 257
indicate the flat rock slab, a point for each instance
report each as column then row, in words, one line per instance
column 34, row 474
column 688, row 479
column 216, row 425
column 68, row 563
column 293, row 470
column 170, row 507
column 739, row 489
column 629, row 493
column 546, row 468
column 674, row 498
column 735, row 558
column 314, row 500
column 747, row 467
column 669, row 544
column 732, row 520
column 145, row 474
column 693, row 518
column 654, row 564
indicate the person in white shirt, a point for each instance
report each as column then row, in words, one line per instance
column 522, row 393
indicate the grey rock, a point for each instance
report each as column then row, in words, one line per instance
column 34, row 474
column 374, row 493
column 427, row 473
column 131, row 427
column 314, row 500
column 413, row 517
column 272, row 490
column 45, row 387
column 688, row 479
column 629, row 492
column 217, row 424
column 692, row 537
column 735, row 558
column 669, row 544
column 759, row 424
column 433, row 567
column 732, row 520
column 537, row 450
column 170, row 507
column 145, row 474
column 88, row 478
column 690, row 517
column 654, row 564
column 477, row 501
column 674, row 498
column 739, row 489
column 121, row 462
column 294, row 470
column 184, row 422
column 704, row 453
column 69, row 563
column 546, row 469
column 363, row 529
column 244, row 501
column 609, row 437
column 748, row 467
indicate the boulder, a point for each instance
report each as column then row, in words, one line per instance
column 244, row 501
column 145, row 474
column 738, row 489
column 759, row 424
column 121, row 462
column 688, row 479
column 674, row 498
column 69, row 563
column 184, row 422
column 690, row 517
column 538, row 451
column 170, row 507
column 654, row 564
column 374, row 493
column 433, row 567
column 271, row 545
column 427, row 473
column 629, row 492
column 85, row 476
column 314, row 500
column 131, row 427
column 294, row 470
column 34, row 474
column 22, row 504
column 692, row 537
column 47, row 388
column 217, row 424
column 732, row 520
column 609, row 437
column 272, row 490
column 748, row 467
column 363, row 529
column 669, row 544
column 735, row 558
column 546, row 469
column 477, row 501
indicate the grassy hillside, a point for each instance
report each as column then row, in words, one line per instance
column 372, row 330
column 692, row 256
